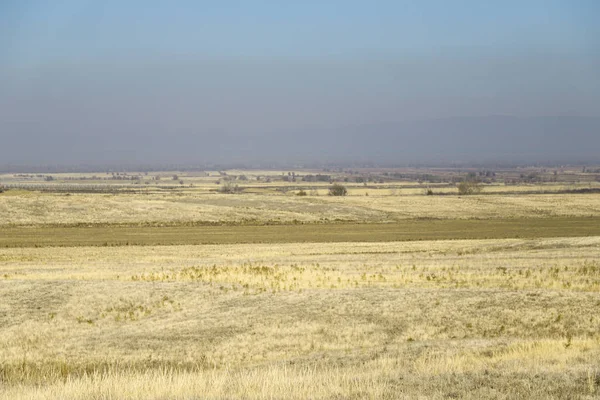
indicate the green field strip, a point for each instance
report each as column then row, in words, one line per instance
column 401, row 231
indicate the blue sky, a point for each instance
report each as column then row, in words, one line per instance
column 140, row 69
column 46, row 32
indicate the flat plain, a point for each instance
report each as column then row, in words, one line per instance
column 197, row 294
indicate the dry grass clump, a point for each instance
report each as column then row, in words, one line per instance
column 386, row 379
column 584, row 276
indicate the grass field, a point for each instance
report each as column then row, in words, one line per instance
column 33, row 208
column 464, row 318
column 272, row 296
column 126, row 235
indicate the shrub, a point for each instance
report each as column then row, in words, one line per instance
column 301, row 193
column 469, row 187
column 338, row 190
column 229, row 187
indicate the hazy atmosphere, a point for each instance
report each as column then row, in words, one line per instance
column 232, row 82
column 295, row 200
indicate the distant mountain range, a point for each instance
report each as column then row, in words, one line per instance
column 492, row 139
column 473, row 139
column 462, row 140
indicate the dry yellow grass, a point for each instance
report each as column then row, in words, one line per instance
column 43, row 208
column 508, row 318
column 445, row 319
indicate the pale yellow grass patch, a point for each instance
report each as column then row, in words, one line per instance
column 45, row 208
column 466, row 319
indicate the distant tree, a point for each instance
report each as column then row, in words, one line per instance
column 468, row 187
column 175, row 177
column 48, row 178
column 338, row 190
column 229, row 187
column 301, row 193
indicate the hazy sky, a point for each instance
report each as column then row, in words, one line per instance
column 80, row 74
